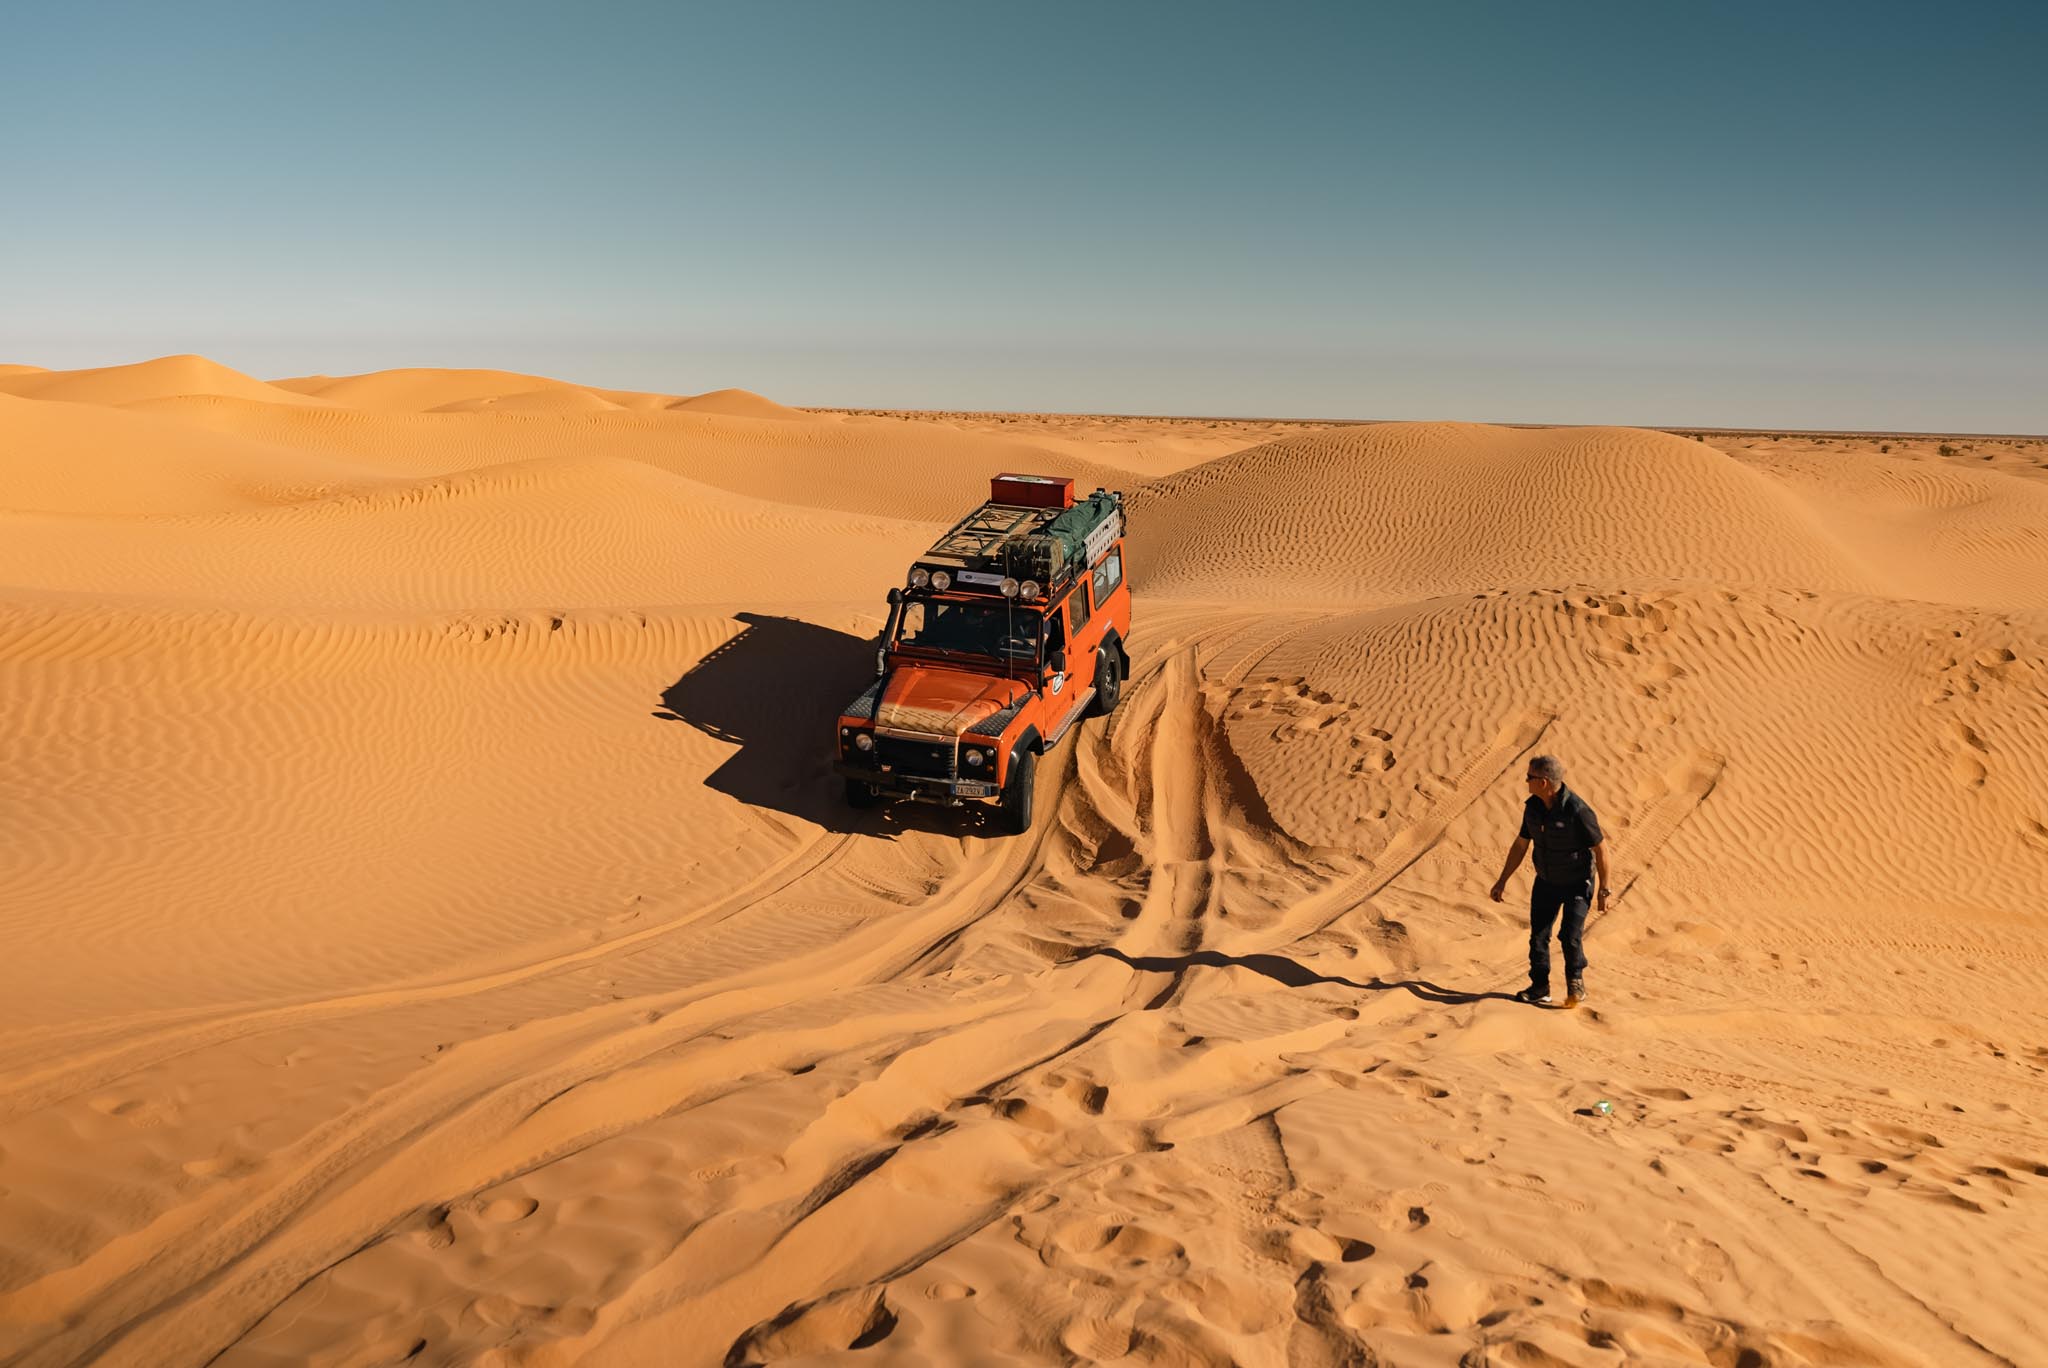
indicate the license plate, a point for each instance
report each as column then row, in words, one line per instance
column 966, row 790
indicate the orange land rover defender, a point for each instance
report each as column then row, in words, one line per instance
column 1009, row 631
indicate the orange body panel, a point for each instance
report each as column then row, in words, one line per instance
column 942, row 702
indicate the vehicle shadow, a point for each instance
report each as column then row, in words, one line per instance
column 1281, row 969
column 774, row 691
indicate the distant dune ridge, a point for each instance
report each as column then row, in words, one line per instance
column 166, row 377
column 433, row 933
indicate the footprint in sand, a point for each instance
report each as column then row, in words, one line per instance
column 1027, row 1114
column 1622, row 626
column 506, row 1210
column 1657, row 677
column 1377, row 759
column 1096, row 1339
column 1967, row 764
column 859, row 1318
column 1089, row 1097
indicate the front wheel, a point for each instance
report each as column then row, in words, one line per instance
column 861, row 794
column 1017, row 794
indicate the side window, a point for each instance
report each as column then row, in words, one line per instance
column 1077, row 606
column 1109, row 575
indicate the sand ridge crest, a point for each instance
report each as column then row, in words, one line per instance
column 165, row 377
column 1410, row 510
column 421, row 390
column 739, row 403
column 911, row 470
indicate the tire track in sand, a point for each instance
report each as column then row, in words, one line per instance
column 844, row 1180
column 199, row 1276
column 1691, row 778
column 756, row 1266
column 188, row 1284
column 31, row 1090
column 1515, row 738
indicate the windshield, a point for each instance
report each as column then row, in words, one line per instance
column 994, row 630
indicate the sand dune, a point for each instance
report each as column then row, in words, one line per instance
column 433, row 933
column 466, row 391
column 165, row 377
column 128, row 462
column 737, row 403
column 1413, row 510
column 592, row 532
column 422, row 391
column 879, row 467
column 1150, row 447
column 1866, row 696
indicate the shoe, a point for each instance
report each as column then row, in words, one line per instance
column 1574, row 992
column 1534, row 996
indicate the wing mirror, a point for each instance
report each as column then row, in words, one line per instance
column 881, row 660
column 1058, row 661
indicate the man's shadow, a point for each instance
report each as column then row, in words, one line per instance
column 1283, row 970
column 775, row 692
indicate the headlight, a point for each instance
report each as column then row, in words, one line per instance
column 1028, row 590
column 1009, row 588
column 974, row 758
column 920, row 577
column 864, row 742
column 941, row 581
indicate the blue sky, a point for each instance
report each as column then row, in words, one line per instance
column 1768, row 215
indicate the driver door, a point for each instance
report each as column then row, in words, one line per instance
column 1064, row 692
column 1059, row 690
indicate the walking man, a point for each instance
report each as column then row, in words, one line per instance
column 1569, row 854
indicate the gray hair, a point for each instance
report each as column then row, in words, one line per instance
column 1548, row 767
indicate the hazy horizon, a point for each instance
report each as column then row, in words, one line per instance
column 1824, row 219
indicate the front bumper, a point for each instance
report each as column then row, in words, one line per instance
column 924, row 787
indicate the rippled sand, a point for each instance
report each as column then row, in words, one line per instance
column 432, row 933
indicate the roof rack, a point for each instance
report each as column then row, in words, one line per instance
column 980, row 533
column 1049, row 542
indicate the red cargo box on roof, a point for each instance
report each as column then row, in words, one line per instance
column 1032, row 491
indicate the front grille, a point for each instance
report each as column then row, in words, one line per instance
column 933, row 759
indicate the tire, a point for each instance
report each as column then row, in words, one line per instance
column 1109, row 682
column 861, row 794
column 1017, row 794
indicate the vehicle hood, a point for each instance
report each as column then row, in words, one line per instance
column 942, row 702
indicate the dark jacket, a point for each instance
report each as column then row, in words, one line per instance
column 1562, row 837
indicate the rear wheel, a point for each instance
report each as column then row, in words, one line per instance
column 861, row 794
column 1018, row 792
column 1109, row 681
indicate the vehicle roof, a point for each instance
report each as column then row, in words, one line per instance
column 1052, row 545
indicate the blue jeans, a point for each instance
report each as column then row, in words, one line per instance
column 1546, row 901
